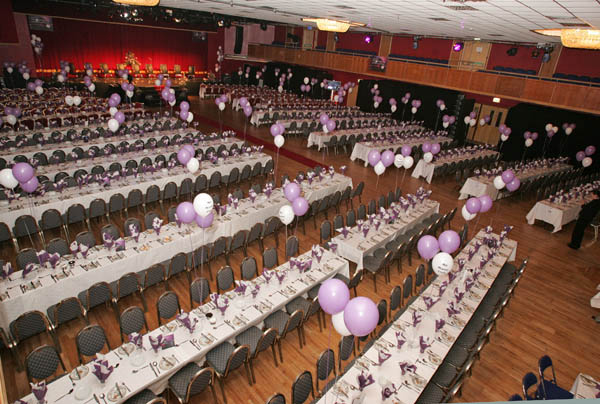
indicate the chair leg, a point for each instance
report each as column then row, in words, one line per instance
column 375, row 282
column 280, row 352
column 274, row 355
column 252, row 371
column 247, row 366
column 222, row 384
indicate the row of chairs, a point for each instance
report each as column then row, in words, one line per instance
column 546, row 389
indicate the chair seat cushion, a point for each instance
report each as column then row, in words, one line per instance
column 143, row 397
column 342, row 278
column 314, row 292
column 178, row 383
column 217, row 357
column 371, row 263
column 445, row 375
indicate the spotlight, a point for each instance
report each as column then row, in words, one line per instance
column 416, row 42
column 263, row 26
column 458, row 46
column 368, row 38
column 336, row 37
column 535, row 53
column 512, row 51
column 546, row 57
column 220, row 22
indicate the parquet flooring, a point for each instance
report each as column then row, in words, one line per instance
column 549, row 314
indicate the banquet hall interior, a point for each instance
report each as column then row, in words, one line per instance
column 258, row 201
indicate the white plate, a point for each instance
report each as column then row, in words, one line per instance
column 82, row 392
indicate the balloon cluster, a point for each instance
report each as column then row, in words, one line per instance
column 341, row 92
column 281, row 80
column 485, row 120
column 117, row 116
column 551, row 130
column 429, row 150
column 36, row 43
column 448, row 120
column 220, row 101
column 167, row 93
column 24, row 70
column 440, row 104
column 416, row 104
column 584, row 156
column 507, row 179
column 184, row 112
column 186, row 156
column 405, row 99
column 11, row 114
column 22, row 174
column 393, row 104
column 128, row 88
column 568, row 128
column 473, row 206
column 299, row 206
column 306, row 86
column 123, row 73
column 439, row 250
column 404, row 159
column 89, row 71
column 9, row 66
column 73, row 100
column 329, row 125
column 471, row 119
column 505, row 132
column 246, row 107
column 220, row 58
column 380, row 161
column 258, row 75
column 277, row 130
column 358, row 316
column 87, row 80
column 200, row 211
column 529, row 138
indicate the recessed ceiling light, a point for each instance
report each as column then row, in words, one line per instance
column 477, row 39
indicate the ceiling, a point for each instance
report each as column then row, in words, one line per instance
column 499, row 20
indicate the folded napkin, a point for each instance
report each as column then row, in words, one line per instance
column 252, row 195
column 359, row 224
column 280, row 276
column 254, row 291
column 365, row 230
column 53, row 259
column 451, row 276
column 184, row 318
column 439, row 324
column 74, row 247
column 6, row 270
column 416, row 318
column 332, row 246
column 388, row 391
column 383, row 356
column 107, row 238
column 429, row 302
column 267, row 274
column 28, row 268
column 134, row 231
column 443, row 287
column 364, row 380
column 241, row 287
column 452, row 310
column 304, row 266
column 469, row 282
column 407, row 367
column 39, row 390
column 157, row 224
column 400, row 339
column 343, row 170
column 461, row 263
column 136, row 339
column 344, row 230
column 458, row 295
column 177, row 220
column 83, row 249
column 424, row 343
column 220, row 302
column 101, row 369
column 316, row 252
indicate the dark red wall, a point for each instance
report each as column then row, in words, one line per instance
column 81, row 42
column 582, row 62
column 355, row 41
column 428, row 47
column 321, row 39
column 280, row 33
column 487, row 100
column 522, row 60
column 8, row 28
column 21, row 50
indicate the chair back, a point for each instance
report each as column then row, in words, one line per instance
column 302, row 388
column 529, row 380
column 132, row 320
column 90, row 340
column 199, row 291
column 42, row 362
column 248, row 268
column 237, row 358
column 167, row 306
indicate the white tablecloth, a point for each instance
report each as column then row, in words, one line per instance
column 585, row 387
column 356, row 246
column 243, row 312
column 557, row 214
column 482, row 185
column 409, row 387
column 84, row 196
column 425, row 169
column 361, row 149
column 595, row 300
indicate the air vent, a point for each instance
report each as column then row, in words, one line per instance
column 495, row 35
column 343, row 7
column 267, row 8
column 575, row 24
column 461, row 8
column 439, row 19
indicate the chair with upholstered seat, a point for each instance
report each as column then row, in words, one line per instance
column 302, row 388
column 258, row 341
column 190, row 381
column 199, row 291
column 284, row 323
column 549, row 388
column 90, row 341
column 132, row 320
column 248, row 269
column 167, row 306
column 42, row 363
column 225, row 358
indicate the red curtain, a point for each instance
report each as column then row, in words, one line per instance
column 432, row 48
column 8, row 28
column 82, row 42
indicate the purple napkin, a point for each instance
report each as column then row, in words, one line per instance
column 220, row 302
column 136, row 339
column 255, row 291
column 359, row 224
column 177, row 220
column 316, row 253
column 108, row 240
column 439, row 324
column 365, row 230
column 387, row 392
column 452, row 310
column 43, row 257
column 83, row 249
column 6, row 270
column 376, row 223
column 134, row 231
column 101, row 369
column 458, row 295
column 280, row 276
column 120, row 244
column 416, row 318
column 451, row 276
column 223, row 210
column 155, row 343
column 407, row 367
column 157, row 224
column 267, row 274
column 364, row 380
column 39, row 390
column 424, row 343
column 241, row 287
column 469, row 282
column 383, row 356
column 343, row 170
column 461, row 263
column 429, row 302
column 400, row 339
column 345, row 230
column 332, row 246
column 443, row 287
column 53, row 259
column 184, row 318
column 28, row 268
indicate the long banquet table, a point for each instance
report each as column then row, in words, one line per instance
column 409, row 387
column 426, row 170
column 243, row 312
column 556, row 213
column 37, row 291
column 361, row 149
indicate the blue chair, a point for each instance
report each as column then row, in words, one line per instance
column 548, row 389
column 515, row 397
column 530, row 380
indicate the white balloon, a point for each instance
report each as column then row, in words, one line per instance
column 286, row 214
column 428, row 157
column 9, row 70
column 408, row 162
column 336, row 98
column 376, row 104
column 306, row 80
column 193, row 165
column 376, row 86
column 445, row 124
column 482, row 122
column 246, row 75
column 379, row 168
column 113, row 111
column 555, row 129
column 60, row 78
column 203, row 204
column 89, row 72
column 568, row 131
column 398, row 160
column 339, row 324
column 77, row 100
column 39, row 90
column 67, row 69
column 586, row 162
column 26, row 76
column 221, row 106
column 413, row 110
column 7, row 179
column 289, row 76
column 11, row 119
column 350, row 90
column 113, row 125
column 548, row 127
column 92, row 87
column 325, row 130
column 466, row 215
column 393, row 107
column 190, row 117
column 442, row 263
column 322, row 84
column 69, row 100
column 467, row 119
column 129, row 93
column 171, row 91
column 528, row 142
column 157, row 82
column 279, row 141
column 442, row 107
column 172, row 103
column 503, row 137
column 499, row 182
column 280, row 89
column 473, row 122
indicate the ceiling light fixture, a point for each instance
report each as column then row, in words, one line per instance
column 325, row 24
column 575, row 38
column 147, row 3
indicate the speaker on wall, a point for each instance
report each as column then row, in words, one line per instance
column 239, row 39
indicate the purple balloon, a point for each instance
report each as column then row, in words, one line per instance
column 38, row 82
column 449, row 241
column 183, row 156
column 502, row 128
column 550, row 134
column 361, row 316
column 120, row 117
column 160, row 77
column 23, row 172
column 513, row 185
column 428, row 247
column 112, row 103
column 580, row 155
column 171, row 97
column 185, row 212
column 130, row 87
column 445, row 118
column 435, row 148
column 205, row 221
column 116, row 97
column 472, row 115
column 307, row 88
column 333, row 296
column 590, row 150
column 243, row 101
column 473, row 205
column 168, row 84
column 31, row 185
column 507, row 131
column 534, row 136
column 248, row 110
column 291, row 191
column 508, row 176
column 184, row 114
column 406, row 150
column 124, row 86
column 274, row 130
column 281, row 128
column 300, row 206
column 323, row 118
column 165, row 93
column 302, row 87
column 189, row 148
column 387, row 158
column 426, row 147
column 330, row 125
column 527, row 135
column 184, row 106
column 486, row 203
column 452, row 119
column 374, row 157
column 31, row 86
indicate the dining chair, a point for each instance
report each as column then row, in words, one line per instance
column 248, row 269
column 90, row 340
column 131, row 320
column 167, row 306
column 276, row 398
column 42, row 363
column 225, row 279
column 199, row 291
column 302, row 388
column 325, row 366
column 191, row 380
column 66, row 310
column 224, row 359
column 257, row 341
column 346, row 348
column 270, row 259
column 285, row 323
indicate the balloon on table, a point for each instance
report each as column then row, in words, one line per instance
column 486, row 203
column 333, row 296
column 31, row 185
column 513, row 185
column 190, row 117
column 286, row 214
column 205, row 221
column 498, row 182
column 466, row 215
column 340, row 326
column 398, row 160
column 473, row 205
column 76, row 100
column 113, row 111
column 120, row 117
column 406, row 150
column 360, row 316
column 586, row 162
column 203, row 204
column 428, row 246
column 408, row 162
column 243, row 102
column 300, row 206
column 193, row 165
column 580, row 155
column 330, row 125
column 428, row 157
column 374, row 157
column 387, row 158
column 435, row 148
column 426, row 147
column 379, row 168
column 248, row 110
column 39, row 90
column 291, row 191
column 183, row 156
column 590, row 150
column 185, row 212
column 190, row 149
column 442, row 263
column 221, row 106
column 184, row 114
column 449, row 241
column 279, row 141
column 113, row 125
column 508, row 176
column 23, row 172
column 7, row 179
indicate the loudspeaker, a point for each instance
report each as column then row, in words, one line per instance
column 239, row 40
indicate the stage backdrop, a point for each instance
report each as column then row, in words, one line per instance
column 82, row 42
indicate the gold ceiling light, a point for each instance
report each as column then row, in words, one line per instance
column 575, row 38
column 147, row 3
column 325, row 24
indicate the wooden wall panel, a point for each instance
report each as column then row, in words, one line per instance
column 538, row 90
column 483, row 83
column 510, row 86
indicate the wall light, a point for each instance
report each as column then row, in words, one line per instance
column 496, row 100
column 368, row 38
column 458, row 46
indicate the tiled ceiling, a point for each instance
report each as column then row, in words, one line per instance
column 505, row 20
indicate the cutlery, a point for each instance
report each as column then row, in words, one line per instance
column 103, row 397
column 174, row 357
column 155, row 364
column 64, row 395
column 154, row 370
column 117, row 354
column 118, row 390
column 229, row 324
column 126, row 388
column 96, row 398
column 143, row 367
